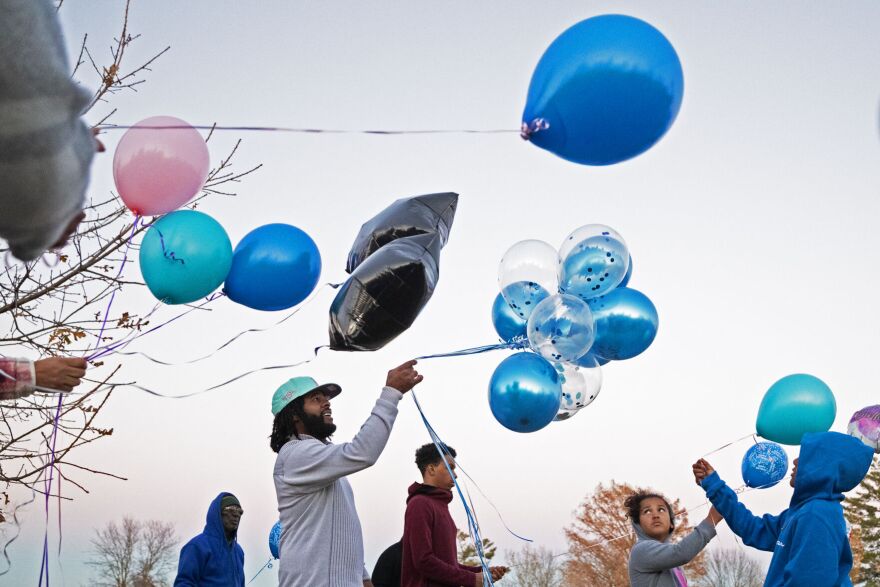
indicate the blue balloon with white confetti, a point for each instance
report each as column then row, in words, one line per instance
column 764, row 465
column 275, row 539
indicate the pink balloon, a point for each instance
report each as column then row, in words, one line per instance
column 158, row 170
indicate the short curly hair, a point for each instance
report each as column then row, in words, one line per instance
column 428, row 454
column 633, row 505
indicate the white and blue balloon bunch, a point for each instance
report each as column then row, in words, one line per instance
column 575, row 310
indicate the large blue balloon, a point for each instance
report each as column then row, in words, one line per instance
column 626, row 324
column 605, row 90
column 274, row 267
column 525, row 392
column 275, row 539
column 795, row 405
column 764, row 465
column 506, row 321
column 184, row 256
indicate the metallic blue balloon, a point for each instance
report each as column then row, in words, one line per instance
column 507, row 323
column 626, row 324
column 629, row 273
column 795, row 405
column 275, row 539
column 525, row 392
column 274, row 267
column 561, row 328
column 184, row 256
column 606, row 90
column 764, row 465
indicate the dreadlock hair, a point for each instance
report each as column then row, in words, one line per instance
column 283, row 427
column 429, row 455
column 633, row 505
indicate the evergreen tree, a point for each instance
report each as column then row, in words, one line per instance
column 863, row 513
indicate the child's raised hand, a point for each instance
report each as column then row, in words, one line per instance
column 702, row 469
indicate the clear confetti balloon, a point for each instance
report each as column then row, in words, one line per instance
column 593, row 260
column 527, row 275
column 580, row 386
column 764, row 465
column 865, row 425
column 561, row 328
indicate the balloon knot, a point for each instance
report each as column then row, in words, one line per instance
column 529, row 128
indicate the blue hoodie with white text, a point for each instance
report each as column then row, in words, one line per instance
column 209, row 560
column 809, row 540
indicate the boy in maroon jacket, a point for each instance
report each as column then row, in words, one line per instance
column 430, row 555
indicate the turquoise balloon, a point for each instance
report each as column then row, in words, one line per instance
column 184, row 256
column 795, row 405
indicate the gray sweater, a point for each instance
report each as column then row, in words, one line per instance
column 651, row 562
column 321, row 540
column 45, row 148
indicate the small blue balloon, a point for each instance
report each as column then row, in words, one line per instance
column 525, row 392
column 626, row 324
column 274, row 267
column 606, row 90
column 507, row 323
column 275, row 539
column 795, row 405
column 764, row 465
column 629, row 273
column 184, row 256
column 561, row 328
column 593, row 260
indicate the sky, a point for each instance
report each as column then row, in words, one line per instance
column 752, row 225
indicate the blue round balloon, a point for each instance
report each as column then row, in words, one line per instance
column 629, row 273
column 274, row 267
column 184, row 256
column 764, row 465
column 508, row 324
column 593, row 260
column 626, row 324
column 525, row 392
column 561, row 328
column 275, row 539
column 795, row 405
column 606, row 90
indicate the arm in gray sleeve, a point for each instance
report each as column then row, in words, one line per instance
column 651, row 556
column 312, row 464
column 45, row 148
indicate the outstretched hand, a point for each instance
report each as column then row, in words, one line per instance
column 702, row 469
column 404, row 377
column 59, row 373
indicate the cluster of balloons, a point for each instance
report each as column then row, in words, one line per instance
column 394, row 266
column 577, row 313
column 606, row 90
column 160, row 164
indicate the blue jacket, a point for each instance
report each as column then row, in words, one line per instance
column 209, row 560
column 809, row 540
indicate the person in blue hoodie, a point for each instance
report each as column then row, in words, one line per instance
column 809, row 540
column 214, row 558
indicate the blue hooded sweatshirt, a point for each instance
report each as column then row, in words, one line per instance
column 809, row 540
column 209, row 560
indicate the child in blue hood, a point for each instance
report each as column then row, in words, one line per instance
column 214, row 558
column 809, row 540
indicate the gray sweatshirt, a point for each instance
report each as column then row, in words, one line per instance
column 651, row 562
column 45, row 148
column 321, row 540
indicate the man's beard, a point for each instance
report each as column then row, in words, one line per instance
column 316, row 426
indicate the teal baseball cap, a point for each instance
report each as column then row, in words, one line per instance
column 298, row 387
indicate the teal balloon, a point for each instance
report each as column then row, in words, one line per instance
column 525, row 392
column 626, row 324
column 795, row 405
column 185, row 255
column 508, row 324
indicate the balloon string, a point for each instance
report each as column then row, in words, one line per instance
column 731, row 443
column 268, row 565
column 519, row 342
column 311, row 130
column 234, row 338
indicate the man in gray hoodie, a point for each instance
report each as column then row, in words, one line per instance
column 654, row 560
column 321, row 541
